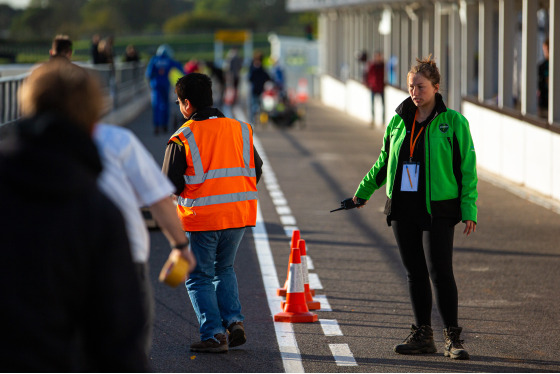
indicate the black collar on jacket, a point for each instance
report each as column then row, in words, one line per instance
column 53, row 131
column 47, row 153
column 206, row 113
column 407, row 109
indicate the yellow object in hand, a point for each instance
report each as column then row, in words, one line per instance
column 174, row 271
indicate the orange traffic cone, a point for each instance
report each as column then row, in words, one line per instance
column 311, row 304
column 293, row 244
column 295, row 308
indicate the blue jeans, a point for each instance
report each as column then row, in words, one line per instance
column 212, row 285
column 254, row 108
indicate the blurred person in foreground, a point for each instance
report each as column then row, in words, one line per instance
column 132, row 180
column 215, row 168
column 157, row 73
column 70, row 297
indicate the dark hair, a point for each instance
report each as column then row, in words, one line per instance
column 61, row 45
column 428, row 68
column 197, row 88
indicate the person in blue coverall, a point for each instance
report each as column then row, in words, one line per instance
column 158, row 74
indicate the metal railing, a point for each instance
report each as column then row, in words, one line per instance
column 9, row 105
column 120, row 83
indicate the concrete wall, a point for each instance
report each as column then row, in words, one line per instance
column 509, row 148
column 515, row 150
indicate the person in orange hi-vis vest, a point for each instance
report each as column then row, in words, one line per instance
column 215, row 168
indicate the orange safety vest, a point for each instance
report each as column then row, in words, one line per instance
column 220, row 179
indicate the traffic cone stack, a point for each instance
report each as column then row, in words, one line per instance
column 295, row 307
column 293, row 244
column 311, row 304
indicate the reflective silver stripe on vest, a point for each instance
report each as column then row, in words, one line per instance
column 218, row 199
column 200, row 176
column 195, row 154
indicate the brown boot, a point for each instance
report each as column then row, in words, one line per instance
column 217, row 345
column 453, row 345
column 236, row 334
column 420, row 340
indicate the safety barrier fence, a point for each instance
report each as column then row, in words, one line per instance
column 120, row 84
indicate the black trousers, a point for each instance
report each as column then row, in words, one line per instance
column 428, row 254
column 147, row 294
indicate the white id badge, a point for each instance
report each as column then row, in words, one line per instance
column 410, row 173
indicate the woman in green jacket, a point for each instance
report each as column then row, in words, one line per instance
column 429, row 165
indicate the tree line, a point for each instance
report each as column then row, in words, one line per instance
column 82, row 18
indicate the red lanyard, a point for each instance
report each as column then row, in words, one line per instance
column 413, row 143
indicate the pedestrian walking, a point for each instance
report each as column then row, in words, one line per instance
column 157, row 72
column 95, row 58
column 258, row 76
column 428, row 163
column 232, row 67
column 70, row 297
column 215, row 168
column 132, row 180
column 542, row 82
column 375, row 80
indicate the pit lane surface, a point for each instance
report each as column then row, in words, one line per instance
column 506, row 272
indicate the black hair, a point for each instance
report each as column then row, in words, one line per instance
column 61, row 45
column 197, row 88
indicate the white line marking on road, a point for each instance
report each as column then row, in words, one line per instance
column 276, row 194
column 310, row 265
column 342, row 355
column 330, row 327
column 283, row 210
column 273, row 186
column 288, row 220
column 289, row 230
column 314, row 281
column 279, row 201
column 325, row 306
column 285, row 335
column 289, row 350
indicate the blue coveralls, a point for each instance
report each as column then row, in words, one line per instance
column 158, row 74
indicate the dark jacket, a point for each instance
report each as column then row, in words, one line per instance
column 258, row 77
column 70, row 297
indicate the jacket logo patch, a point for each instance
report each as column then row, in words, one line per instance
column 443, row 127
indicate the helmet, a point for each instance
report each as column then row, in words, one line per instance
column 165, row 50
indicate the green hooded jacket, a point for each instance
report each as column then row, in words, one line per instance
column 450, row 161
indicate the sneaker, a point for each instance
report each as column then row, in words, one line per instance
column 218, row 344
column 236, row 334
column 420, row 340
column 453, row 345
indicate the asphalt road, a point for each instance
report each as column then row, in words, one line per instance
column 507, row 272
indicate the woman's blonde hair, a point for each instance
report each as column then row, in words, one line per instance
column 428, row 68
column 65, row 89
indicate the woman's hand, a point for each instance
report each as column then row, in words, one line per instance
column 470, row 227
column 355, row 200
